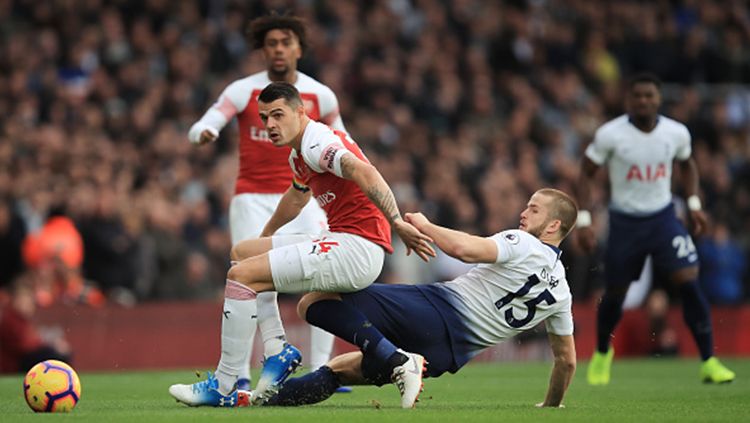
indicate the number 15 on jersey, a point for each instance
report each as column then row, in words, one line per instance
column 531, row 304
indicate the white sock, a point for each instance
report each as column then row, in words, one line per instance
column 245, row 370
column 247, row 362
column 236, row 325
column 270, row 325
column 321, row 346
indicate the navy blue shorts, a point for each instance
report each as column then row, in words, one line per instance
column 632, row 238
column 415, row 318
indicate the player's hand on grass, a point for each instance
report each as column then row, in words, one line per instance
column 542, row 405
column 586, row 239
column 414, row 240
column 698, row 222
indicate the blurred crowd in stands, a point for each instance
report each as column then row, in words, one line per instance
column 465, row 106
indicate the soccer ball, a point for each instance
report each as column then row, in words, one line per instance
column 52, row 386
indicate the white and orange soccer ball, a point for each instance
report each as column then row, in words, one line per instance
column 52, row 386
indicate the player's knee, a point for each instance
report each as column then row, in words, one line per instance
column 569, row 363
column 311, row 298
column 685, row 275
column 235, row 253
column 240, row 274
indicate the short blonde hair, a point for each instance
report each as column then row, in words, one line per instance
column 563, row 208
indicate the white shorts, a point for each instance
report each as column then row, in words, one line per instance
column 328, row 262
column 249, row 213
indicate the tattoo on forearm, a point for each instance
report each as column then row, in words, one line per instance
column 347, row 166
column 385, row 202
column 383, row 199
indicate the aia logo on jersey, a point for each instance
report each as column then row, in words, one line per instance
column 648, row 173
column 322, row 246
column 325, row 198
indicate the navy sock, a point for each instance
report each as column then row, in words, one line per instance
column 607, row 317
column 349, row 324
column 697, row 315
column 311, row 388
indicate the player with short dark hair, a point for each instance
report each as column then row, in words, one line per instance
column 264, row 172
column 361, row 211
column 638, row 149
column 519, row 282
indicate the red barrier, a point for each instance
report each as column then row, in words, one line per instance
column 184, row 335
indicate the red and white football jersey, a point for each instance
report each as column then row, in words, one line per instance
column 263, row 167
column 317, row 165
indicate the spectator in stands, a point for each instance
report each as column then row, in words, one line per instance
column 723, row 265
column 21, row 343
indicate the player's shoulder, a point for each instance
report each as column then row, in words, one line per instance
column 613, row 125
column 672, row 124
column 515, row 238
column 308, row 83
column 317, row 133
column 256, row 80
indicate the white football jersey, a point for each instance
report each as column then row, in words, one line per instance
column 525, row 286
column 640, row 163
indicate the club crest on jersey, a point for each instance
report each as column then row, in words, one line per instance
column 648, row 173
column 512, row 238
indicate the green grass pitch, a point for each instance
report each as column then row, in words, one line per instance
column 657, row 390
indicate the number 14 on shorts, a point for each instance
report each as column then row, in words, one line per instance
column 322, row 246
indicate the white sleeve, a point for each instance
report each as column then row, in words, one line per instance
column 683, row 144
column 600, row 150
column 337, row 123
column 561, row 322
column 231, row 101
column 329, row 110
column 510, row 245
column 323, row 153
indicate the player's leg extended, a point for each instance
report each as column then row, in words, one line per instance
column 320, row 384
column 247, row 214
column 239, row 307
column 326, row 310
column 697, row 315
column 240, row 251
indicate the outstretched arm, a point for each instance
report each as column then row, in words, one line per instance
column 371, row 182
column 207, row 128
column 291, row 204
column 465, row 247
column 564, row 350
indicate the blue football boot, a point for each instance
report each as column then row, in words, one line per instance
column 205, row 392
column 276, row 370
column 243, row 384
